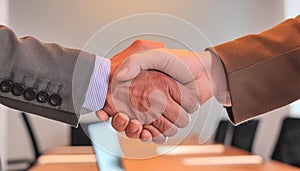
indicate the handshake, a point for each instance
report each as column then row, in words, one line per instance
column 153, row 90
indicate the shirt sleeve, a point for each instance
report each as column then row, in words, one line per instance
column 98, row 86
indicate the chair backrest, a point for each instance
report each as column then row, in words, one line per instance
column 79, row 137
column 221, row 131
column 287, row 149
column 31, row 136
column 244, row 134
column 25, row 164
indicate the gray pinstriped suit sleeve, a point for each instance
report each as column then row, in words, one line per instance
column 47, row 68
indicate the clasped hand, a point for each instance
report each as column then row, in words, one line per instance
column 152, row 90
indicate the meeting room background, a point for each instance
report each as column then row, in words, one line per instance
column 72, row 22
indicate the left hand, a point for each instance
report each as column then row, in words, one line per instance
column 201, row 73
column 152, row 100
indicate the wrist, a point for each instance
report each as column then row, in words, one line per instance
column 217, row 78
column 114, row 63
column 98, row 86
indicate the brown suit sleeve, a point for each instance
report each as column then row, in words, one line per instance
column 263, row 70
column 43, row 78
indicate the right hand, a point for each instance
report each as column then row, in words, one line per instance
column 200, row 72
column 153, row 100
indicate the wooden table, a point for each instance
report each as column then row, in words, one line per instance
column 160, row 163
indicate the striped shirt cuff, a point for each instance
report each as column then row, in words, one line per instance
column 96, row 93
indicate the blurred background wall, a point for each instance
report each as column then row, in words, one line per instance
column 292, row 8
column 3, row 110
column 72, row 22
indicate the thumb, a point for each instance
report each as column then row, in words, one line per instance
column 157, row 59
column 128, row 73
column 138, row 62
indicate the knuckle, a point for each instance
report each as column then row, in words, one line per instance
column 183, row 120
column 171, row 131
column 192, row 104
column 138, row 43
column 165, row 127
column 159, row 123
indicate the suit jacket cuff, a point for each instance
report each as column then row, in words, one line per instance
column 262, row 70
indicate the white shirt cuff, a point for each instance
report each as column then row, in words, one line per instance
column 218, row 76
column 96, row 93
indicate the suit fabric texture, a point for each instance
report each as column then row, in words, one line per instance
column 43, row 78
column 262, row 70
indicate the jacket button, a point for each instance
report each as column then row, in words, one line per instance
column 42, row 97
column 18, row 89
column 55, row 100
column 6, row 86
column 30, row 93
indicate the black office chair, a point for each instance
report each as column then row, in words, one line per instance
column 244, row 134
column 287, row 149
column 28, row 163
column 221, row 131
column 79, row 137
column 0, row 165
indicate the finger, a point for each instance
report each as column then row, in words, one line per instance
column 176, row 114
column 120, row 121
column 185, row 97
column 109, row 107
column 126, row 74
column 102, row 115
column 157, row 137
column 146, row 136
column 134, row 129
column 158, row 104
column 165, row 126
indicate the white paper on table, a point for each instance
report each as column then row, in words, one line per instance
column 223, row 160
column 190, row 149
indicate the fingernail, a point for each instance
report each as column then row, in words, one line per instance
column 166, row 139
column 146, row 141
column 120, row 122
column 134, row 130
